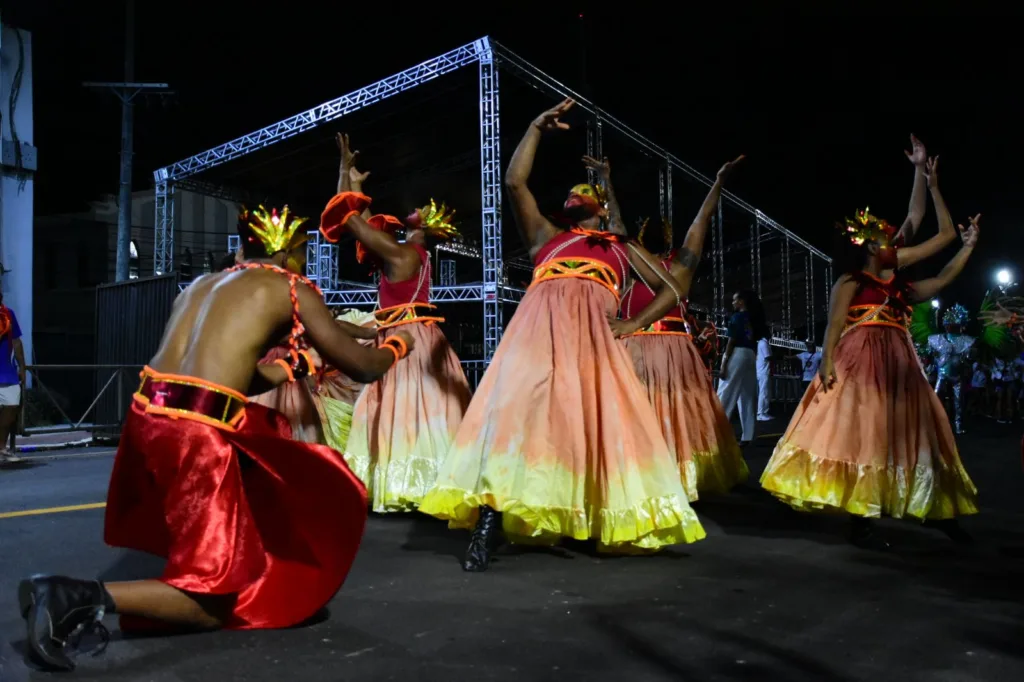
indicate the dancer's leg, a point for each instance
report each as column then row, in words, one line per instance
column 728, row 389
column 763, row 395
column 155, row 600
column 747, row 400
column 55, row 607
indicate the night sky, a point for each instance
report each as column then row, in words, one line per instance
column 821, row 104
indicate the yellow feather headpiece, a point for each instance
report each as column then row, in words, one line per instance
column 438, row 221
column 864, row 227
column 666, row 231
column 276, row 232
column 643, row 228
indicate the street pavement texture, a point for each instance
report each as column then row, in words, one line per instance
column 769, row 595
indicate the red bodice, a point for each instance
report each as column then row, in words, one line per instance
column 416, row 289
column 879, row 302
column 874, row 291
column 605, row 247
column 639, row 296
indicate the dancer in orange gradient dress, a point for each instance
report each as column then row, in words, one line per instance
column 336, row 393
column 560, row 439
column 870, row 437
column 302, row 402
column 259, row 531
column 402, row 425
column 673, row 371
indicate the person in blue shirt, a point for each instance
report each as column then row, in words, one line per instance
column 12, row 376
column 737, row 379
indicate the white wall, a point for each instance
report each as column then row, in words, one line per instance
column 16, row 192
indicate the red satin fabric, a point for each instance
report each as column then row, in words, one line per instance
column 248, row 512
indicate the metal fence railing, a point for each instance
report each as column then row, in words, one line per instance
column 100, row 398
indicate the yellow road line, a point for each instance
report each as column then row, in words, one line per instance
column 52, row 510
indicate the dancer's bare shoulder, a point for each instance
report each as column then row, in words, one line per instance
column 222, row 325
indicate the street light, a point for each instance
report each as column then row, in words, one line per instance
column 1004, row 277
column 935, row 303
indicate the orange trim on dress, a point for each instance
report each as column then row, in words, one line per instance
column 578, row 268
column 229, row 419
column 405, row 313
column 666, row 326
column 874, row 315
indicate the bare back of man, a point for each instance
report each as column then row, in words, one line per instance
column 224, row 323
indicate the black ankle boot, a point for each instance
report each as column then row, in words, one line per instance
column 863, row 534
column 953, row 530
column 486, row 538
column 57, row 609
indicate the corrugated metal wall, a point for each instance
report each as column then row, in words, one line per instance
column 130, row 319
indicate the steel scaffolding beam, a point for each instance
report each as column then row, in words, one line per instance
column 490, row 196
column 493, row 290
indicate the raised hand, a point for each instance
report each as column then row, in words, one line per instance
column 970, row 235
column 348, row 157
column 356, row 176
column 603, row 168
column 931, row 171
column 725, row 170
column 551, row 119
column 917, row 154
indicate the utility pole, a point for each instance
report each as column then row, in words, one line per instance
column 126, row 91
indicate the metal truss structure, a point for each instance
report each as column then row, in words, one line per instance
column 493, row 291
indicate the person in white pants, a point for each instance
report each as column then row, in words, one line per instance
column 737, row 385
column 764, row 380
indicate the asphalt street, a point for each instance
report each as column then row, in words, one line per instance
column 769, row 595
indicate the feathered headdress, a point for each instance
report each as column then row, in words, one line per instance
column 437, row 221
column 277, row 232
column 864, row 227
column 956, row 314
column 642, row 222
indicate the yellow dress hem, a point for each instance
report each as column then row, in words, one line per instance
column 647, row 525
column 812, row 483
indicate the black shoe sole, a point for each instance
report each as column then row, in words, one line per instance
column 27, row 607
